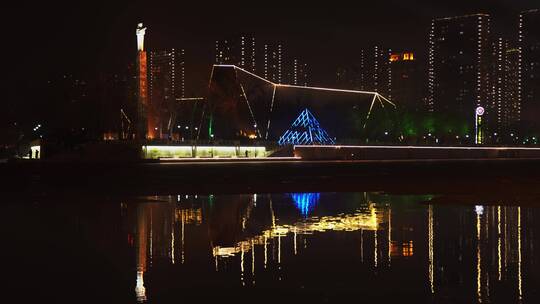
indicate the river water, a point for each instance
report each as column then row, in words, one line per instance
column 285, row 247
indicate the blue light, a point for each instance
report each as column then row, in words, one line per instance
column 305, row 130
column 305, row 202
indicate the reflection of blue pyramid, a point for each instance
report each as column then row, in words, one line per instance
column 305, row 202
column 305, row 130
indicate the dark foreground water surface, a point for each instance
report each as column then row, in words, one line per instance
column 289, row 247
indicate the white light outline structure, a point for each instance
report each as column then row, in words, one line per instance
column 190, row 98
column 376, row 95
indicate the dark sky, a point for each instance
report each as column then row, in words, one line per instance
column 98, row 36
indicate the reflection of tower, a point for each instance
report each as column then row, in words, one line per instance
column 144, row 125
column 142, row 237
column 431, row 274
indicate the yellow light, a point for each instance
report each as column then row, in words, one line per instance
column 35, row 152
column 408, row 249
column 354, row 222
column 430, row 249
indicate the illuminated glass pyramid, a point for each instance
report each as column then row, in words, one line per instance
column 305, row 130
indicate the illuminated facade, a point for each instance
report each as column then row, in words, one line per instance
column 166, row 85
column 529, row 68
column 459, row 66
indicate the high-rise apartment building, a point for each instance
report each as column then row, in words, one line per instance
column 405, row 80
column 299, row 73
column 529, row 69
column 166, row 85
column 498, row 103
column 512, row 111
column 240, row 51
column 273, row 62
column 459, row 66
column 371, row 73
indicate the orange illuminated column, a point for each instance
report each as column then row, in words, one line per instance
column 146, row 122
column 143, row 96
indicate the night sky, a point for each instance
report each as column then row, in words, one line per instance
column 98, row 37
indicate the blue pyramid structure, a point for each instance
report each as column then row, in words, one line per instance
column 305, row 130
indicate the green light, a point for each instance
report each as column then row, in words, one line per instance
column 210, row 126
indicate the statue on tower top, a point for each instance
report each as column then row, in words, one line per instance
column 141, row 30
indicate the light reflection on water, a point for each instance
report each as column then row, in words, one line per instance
column 313, row 247
column 444, row 250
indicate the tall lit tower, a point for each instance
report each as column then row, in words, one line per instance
column 145, row 126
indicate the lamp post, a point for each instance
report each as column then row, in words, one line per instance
column 479, row 136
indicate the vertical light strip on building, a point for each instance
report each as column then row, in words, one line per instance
column 431, row 68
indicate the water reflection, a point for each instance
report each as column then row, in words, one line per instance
column 467, row 252
column 305, row 202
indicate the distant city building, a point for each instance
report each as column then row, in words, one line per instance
column 118, row 105
column 379, row 64
column 348, row 77
column 166, row 85
column 504, row 103
column 529, row 68
column 71, row 100
column 498, row 103
column 405, row 80
column 240, row 51
column 395, row 75
column 273, row 62
column 299, row 73
column 370, row 73
column 267, row 60
column 459, row 66
column 512, row 111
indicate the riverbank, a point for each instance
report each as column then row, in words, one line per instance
column 490, row 176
